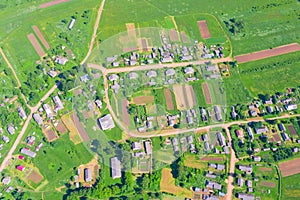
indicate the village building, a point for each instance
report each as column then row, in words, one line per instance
column 71, row 23
column 221, row 139
column 218, row 113
column 147, row 145
column 98, row 103
column 106, row 122
column 170, row 72
column 20, row 168
column 58, row 104
column 38, row 119
column 27, row 152
column 52, row 73
column 189, row 70
column 133, row 75
column 281, row 127
column 61, row 60
column 285, row 137
column 88, row 175
column 38, row 147
column 30, row 140
column 261, row 130
column 211, row 67
column 6, row 180
column 113, row 77
column 240, row 182
column 48, row 111
column 22, row 113
column 11, row 129
column 115, row 166
column 244, row 196
column 5, row 139
column 85, row 78
column 291, row 107
column 213, row 185
column 151, row 74
column 256, row 158
column 250, row 132
column 245, row 168
column 136, row 146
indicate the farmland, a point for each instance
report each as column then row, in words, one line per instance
column 291, row 187
column 289, row 168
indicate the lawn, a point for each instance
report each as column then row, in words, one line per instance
column 291, row 187
column 197, row 85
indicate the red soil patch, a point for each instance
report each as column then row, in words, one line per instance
column 290, row 167
column 38, row 48
column 35, row 177
column 84, row 136
column 267, row 184
column 52, row 3
column 206, row 93
column 142, row 100
column 41, row 37
column 183, row 37
column 276, row 138
column 173, row 35
column 265, row 169
column 169, row 99
column 203, row 29
column 215, row 159
column 126, row 116
column 61, row 128
column 268, row 53
column 292, row 130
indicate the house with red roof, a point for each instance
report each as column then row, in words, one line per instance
column 21, row 157
column 20, row 168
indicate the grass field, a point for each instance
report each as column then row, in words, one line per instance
column 197, row 85
column 265, row 25
column 270, row 75
column 291, row 187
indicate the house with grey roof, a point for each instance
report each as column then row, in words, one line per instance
column 133, row 75
column 115, row 166
column 213, row 185
column 5, row 139
column 58, row 104
column 281, row 127
column 113, row 77
column 115, row 87
column 221, row 139
column 22, row 113
column 244, row 196
column 111, row 59
column 88, row 175
column 98, row 103
column 189, row 70
column 240, row 182
column 285, row 136
column 85, row 78
column 48, row 111
column 11, row 129
column 218, row 113
column 106, row 122
column 151, row 74
column 136, row 146
column 148, row 148
column 291, row 107
column 38, row 118
column 28, row 152
column 186, row 58
column 246, row 168
column 61, row 60
column 261, row 130
column 170, row 72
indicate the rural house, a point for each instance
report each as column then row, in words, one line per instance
column 58, row 104
column 88, row 175
column 115, row 166
column 38, row 119
column 11, row 129
column 106, row 122
column 22, row 113
column 27, row 152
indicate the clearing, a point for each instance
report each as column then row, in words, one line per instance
column 167, row 184
column 185, row 96
column 35, row 177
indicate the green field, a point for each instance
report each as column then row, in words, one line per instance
column 270, row 75
column 265, row 24
column 291, row 187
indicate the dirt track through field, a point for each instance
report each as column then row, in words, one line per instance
column 126, row 117
column 169, row 99
column 38, row 48
column 41, row 37
column 52, row 3
column 289, row 168
column 268, row 53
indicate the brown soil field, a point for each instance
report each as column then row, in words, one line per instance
column 142, row 100
column 41, row 37
column 184, row 96
column 183, row 37
column 50, row 134
column 169, row 99
column 74, row 135
column 125, row 114
column 290, row 167
column 52, row 3
column 265, row 169
column 167, row 184
column 203, row 29
column 292, row 130
column 214, row 159
column 61, row 128
column 268, row 53
column 85, row 114
column 34, row 177
column 206, row 91
column 80, row 128
column 276, row 138
column 173, row 35
column 269, row 184
column 38, row 48
column 144, row 45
